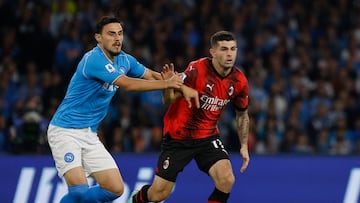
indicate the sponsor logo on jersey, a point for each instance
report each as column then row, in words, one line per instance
column 110, row 68
column 210, row 86
column 213, row 104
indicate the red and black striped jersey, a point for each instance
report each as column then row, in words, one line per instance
column 215, row 92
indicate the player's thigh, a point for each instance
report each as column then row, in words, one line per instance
column 210, row 152
column 66, row 151
column 95, row 156
column 173, row 159
column 99, row 163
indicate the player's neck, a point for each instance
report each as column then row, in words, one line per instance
column 223, row 71
column 108, row 56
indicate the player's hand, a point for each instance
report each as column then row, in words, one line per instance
column 167, row 71
column 189, row 95
column 174, row 82
column 246, row 159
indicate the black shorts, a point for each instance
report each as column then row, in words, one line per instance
column 176, row 154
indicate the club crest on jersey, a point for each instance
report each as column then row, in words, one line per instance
column 69, row 157
column 166, row 163
column 231, row 90
column 122, row 70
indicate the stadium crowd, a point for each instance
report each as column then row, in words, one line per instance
column 302, row 59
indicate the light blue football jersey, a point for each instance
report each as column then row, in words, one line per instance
column 91, row 89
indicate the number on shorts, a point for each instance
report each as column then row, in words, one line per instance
column 218, row 144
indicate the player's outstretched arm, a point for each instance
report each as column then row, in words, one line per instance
column 151, row 75
column 242, row 125
column 141, row 85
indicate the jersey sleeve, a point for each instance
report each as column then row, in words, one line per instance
column 137, row 70
column 100, row 69
column 241, row 101
column 190, row 75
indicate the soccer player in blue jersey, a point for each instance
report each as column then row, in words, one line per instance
column 72, row 133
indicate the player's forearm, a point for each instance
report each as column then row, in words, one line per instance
column 146, row 85
column 171, row 95
column 168, row 96
column 156, row 76
column 140, row 85
column 242, row 124
column 152, row 75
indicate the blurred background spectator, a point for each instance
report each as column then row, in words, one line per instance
column 302, row 59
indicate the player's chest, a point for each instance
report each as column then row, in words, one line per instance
column 121, row 65
column 224, row 89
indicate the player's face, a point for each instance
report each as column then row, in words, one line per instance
column 225, row 53
column 111, row 38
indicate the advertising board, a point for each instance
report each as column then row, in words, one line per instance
column 278, row 179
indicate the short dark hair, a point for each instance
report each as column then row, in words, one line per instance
column 104, row 21
column 221, row 36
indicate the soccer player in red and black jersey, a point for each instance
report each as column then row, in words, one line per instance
column 192, row 133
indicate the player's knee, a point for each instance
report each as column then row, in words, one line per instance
column 159, row 195
column 118, row 189
column 227, row 180
column 115, row 186
column 231, row 180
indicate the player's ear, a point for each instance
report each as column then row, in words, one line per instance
column 212, row 52
column 97, row 37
